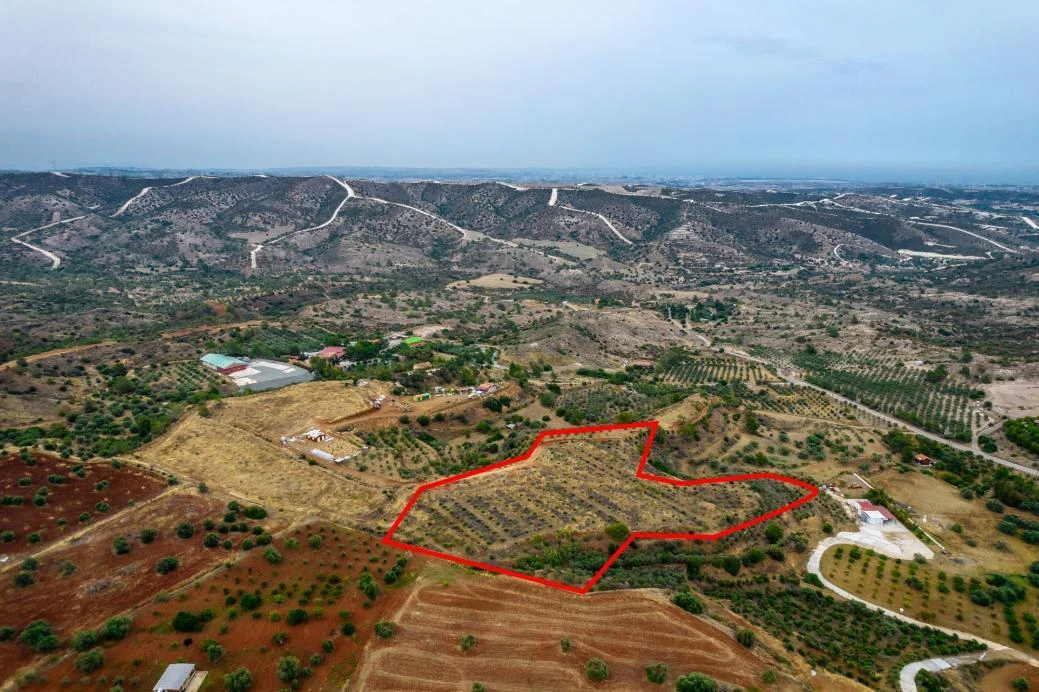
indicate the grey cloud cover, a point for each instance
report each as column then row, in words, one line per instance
column 733, row 88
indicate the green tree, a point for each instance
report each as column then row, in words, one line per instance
column 695, row 682
column 596, row 670
column 89, row 661
column 289, row 669
column 617, row 531
column 688, row 602
column 656, row 673
column 745, row 637
column 239, row 680
column 774, row 532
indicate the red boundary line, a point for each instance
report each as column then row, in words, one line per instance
column 388, row 539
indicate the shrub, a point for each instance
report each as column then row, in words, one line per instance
column 288, row 669
column 314, row 542
column 745, row 637
column 239, row 680
column 279, row 638
column 35, row 633
column 211, row 540
column 617, row 531
column 296, row 616
column 185, row 530
column 348, row 629
column 81, row 641
column 23, row 579
column 656, row 673
column 272, row 555
column 467, row 642
column 688, row 602
column 596, row 670
column 167, row 564
column 116, row 628
column 564, row 645
column 7, row 633
column 774, row 532
column 90, row 661
column 384, row 629
column 184, row 621
column 327, row 645
column 148, row 535
column 695, row 682
column 251, row 601
column 214, row 652
column 255, row 512
column 121, row 546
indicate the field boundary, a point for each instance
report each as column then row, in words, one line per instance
column 652, row 426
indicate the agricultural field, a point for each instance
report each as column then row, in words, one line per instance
column 314, row 594
column 711, row 370
column 182, row 378
column 603, row 403
column 570, row 504
column 46, row 498
column 225, row 457
column 526, row 637
column 101, row 572
column 993, row 606
column 927, row 397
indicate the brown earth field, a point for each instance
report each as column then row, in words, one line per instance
column 304, row 579
column 1000, row 679
column 103, row 584
column 117, row 487
column 518, row 627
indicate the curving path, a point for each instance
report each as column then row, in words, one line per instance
column 908, row 674
column 349, row 195
column 603, row 219
column 962, row 230
column 55, row 260
column 146, row 190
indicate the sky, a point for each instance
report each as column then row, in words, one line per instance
column 883, row 89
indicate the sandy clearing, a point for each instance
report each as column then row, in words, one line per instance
column 503, row 281
column 554, row 197
column 1014, row 399
column 936, row 255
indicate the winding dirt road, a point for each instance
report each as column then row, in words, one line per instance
column 55, row 260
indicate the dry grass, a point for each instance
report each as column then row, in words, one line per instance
column 289, row 410
column 506, row 281
column 228, row 458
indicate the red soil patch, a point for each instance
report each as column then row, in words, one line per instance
column 118, row 488
column 104, row 584
column 554, row 436
column 249, row 642
column 518, row 628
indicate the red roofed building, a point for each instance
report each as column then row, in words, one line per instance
column 331, row 352
column 870, row 513
column 642, row 363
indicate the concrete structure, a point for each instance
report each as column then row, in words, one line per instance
column 176, row 678
column 870, row 513
column 261, row 375
column 225, row 365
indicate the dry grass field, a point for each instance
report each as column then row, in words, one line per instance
column 518, row 626
column 289, row 410
column 509, row 282
column 229, row 458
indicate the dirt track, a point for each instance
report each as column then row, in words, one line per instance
column 518, row 627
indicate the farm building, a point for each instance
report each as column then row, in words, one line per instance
column 178, row 677
column 642, row 363
column 923, row 460
column 261, row 375
column 225, row 365
column 870, row 513
column 330, row 353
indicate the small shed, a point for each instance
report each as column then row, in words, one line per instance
column 923, row 460
column 176, row 678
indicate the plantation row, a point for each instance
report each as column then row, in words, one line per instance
column 922, row 397
column 716, row 370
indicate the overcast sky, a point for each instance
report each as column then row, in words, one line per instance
column 714, row 88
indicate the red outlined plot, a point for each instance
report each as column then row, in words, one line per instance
column 812, row 492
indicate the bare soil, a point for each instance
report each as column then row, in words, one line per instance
column 102, row 483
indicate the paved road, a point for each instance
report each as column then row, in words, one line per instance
column 908, row 673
